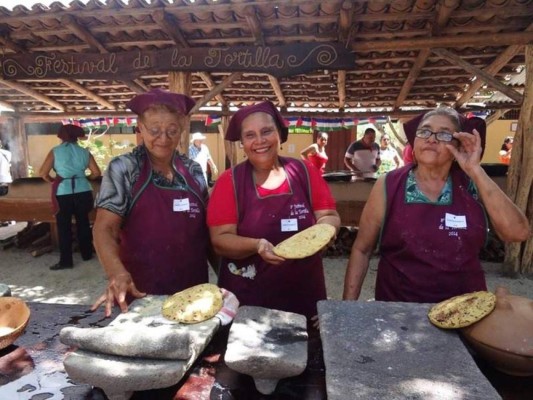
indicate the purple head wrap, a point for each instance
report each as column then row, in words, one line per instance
column 233, row 133
column 177, row 101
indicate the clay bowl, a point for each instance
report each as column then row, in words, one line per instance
column 14, row 316
column 504, row 338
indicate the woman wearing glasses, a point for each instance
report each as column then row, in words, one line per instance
column 430, row 216
column 316, row 153
column 150, row 232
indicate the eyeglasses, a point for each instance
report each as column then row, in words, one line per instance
column 157, row 132
column 441, row 136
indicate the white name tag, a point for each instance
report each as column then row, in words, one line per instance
column 181, row 205
column 289, row 225
column 455, row 221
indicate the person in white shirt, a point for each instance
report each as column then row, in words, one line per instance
column 5, row 170
column 199, row 152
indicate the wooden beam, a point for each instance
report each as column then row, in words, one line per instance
column 83, row 33
column 500, row 62
column 217, row 90
column 412, row 77
column 277, row 89
column 495, row 116
column 485, row 40
column 8, row 105
column 32, row 93
column 134, row 87
column 204, row 76
column 488, row 78
column 254, row 24
column 79, row 88
column 169, row 25
column 341, row 88
column 6, row 41
column 345, row 21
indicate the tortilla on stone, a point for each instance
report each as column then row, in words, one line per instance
column 463, row 310
column 305, row 243
column 193, row 305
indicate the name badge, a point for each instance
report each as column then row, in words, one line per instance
column 289, row 225
column 181, row 205
column 455, row 221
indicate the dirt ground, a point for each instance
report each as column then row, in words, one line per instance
column 29, row 277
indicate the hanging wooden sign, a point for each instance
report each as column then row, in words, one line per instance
column 278, row 61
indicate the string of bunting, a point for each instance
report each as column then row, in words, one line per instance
column 309, row 124
column 101, row 122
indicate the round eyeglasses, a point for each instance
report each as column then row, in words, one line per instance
column 442, row 136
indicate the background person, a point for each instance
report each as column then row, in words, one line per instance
column 72, row 194
column 362, row 156
column 431, row 216
column 261, row 202
column 5, row 170
column 505, row 151
column 316, row 153
column 150, row 232
column 388, row 155
column 199, row 152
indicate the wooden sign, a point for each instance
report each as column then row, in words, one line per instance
column 278, row 61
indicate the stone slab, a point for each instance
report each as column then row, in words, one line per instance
column 386, row 350
column 268, row 345
column 119, row 376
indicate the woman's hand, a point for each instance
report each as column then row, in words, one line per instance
column 265, row 250
column 468, row 155
column 117, row 288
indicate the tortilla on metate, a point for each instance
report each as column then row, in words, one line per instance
column 305, row 243
column 463, row 310
column 193, row 305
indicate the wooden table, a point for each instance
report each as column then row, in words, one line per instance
column 29, row 200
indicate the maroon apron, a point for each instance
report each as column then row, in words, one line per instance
column 424, row 258
column 295, row 285
column 163, row 245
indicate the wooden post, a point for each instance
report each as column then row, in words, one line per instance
column 13, row 136
column 181, row 82
column 519, row 256
column 229, row 147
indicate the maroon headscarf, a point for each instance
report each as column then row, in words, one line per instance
column 233, row 133
column 177, row 101
column 467, row 125
column 70, row 133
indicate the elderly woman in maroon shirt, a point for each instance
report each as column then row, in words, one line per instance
column 150, row 232
column 261, row 202
column 430, row 216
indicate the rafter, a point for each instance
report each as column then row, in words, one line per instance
column 8, row 105
column 345, row 21
column 254, row 24
column 32, row 93
column 169, row 25
column 277, row 89
column 480, row 74
column 204, row 76
column 217, row 90
column 501, row 61
column 496, row 39
column 341, row 88
column 77, row 87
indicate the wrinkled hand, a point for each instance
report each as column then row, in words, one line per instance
column 468, row 155
column 117, row 288
column 264, row 249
